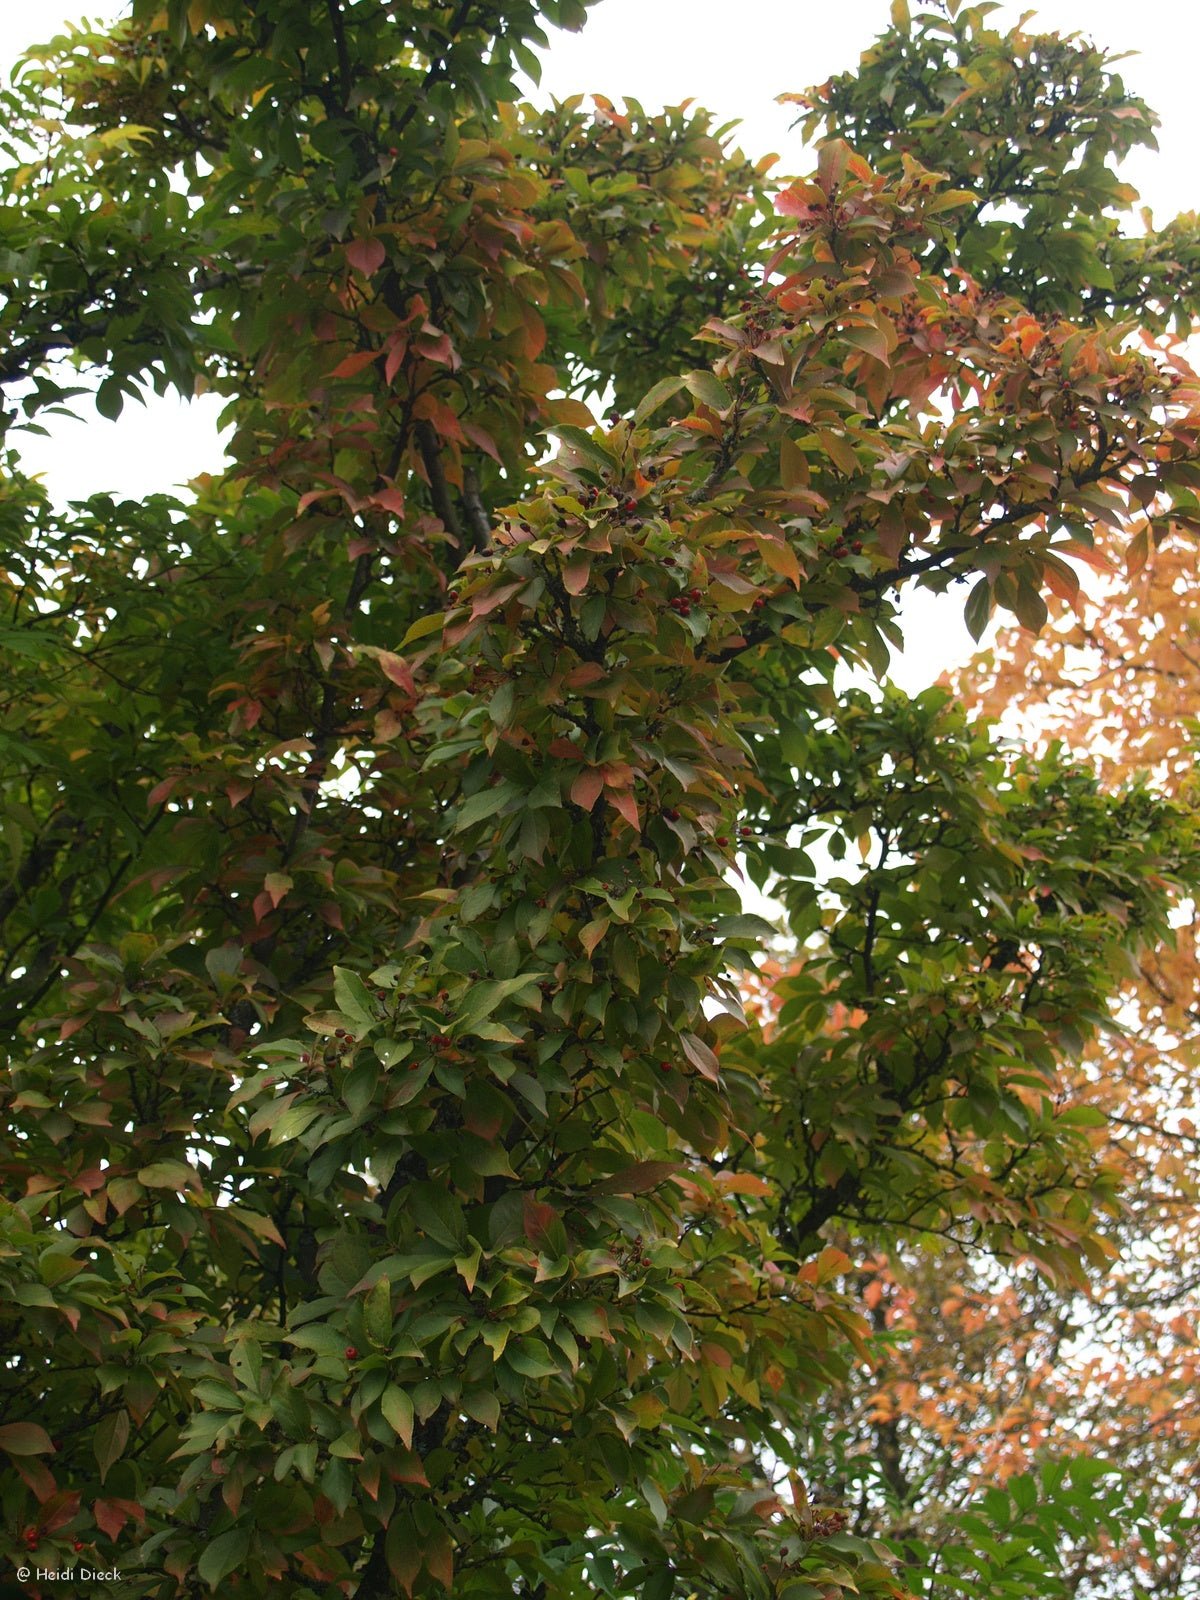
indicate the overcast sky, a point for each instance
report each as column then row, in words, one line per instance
column 735, row 60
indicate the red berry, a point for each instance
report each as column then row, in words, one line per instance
column 664, row 1066
column 350, row 1353
column 631, row 505
column 759, row 603
column 671, row 814
column 76, row 1544
column 857, row 547
column 746, row 833
column 413, row 1066
column 722, row 840
column 695, row 594
column 668, row 561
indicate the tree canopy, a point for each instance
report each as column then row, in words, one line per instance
column 422, row 1176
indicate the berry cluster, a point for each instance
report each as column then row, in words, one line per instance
column 633, row 1256
column 826, row 1522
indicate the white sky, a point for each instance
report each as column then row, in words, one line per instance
column 662, row 52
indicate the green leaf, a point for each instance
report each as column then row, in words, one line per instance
column 486, row 997
column 657, row 396
column 709, row 389
column 353, row 999
column 223, row 1555
column 110, row 399
column 483, row 1406
column 108, row 1444
column 977, row 612
column 359, row 1086
column 377, row 1314
column 486, row 803
column 746, row 925
column 583, row 444
column 177, row 1175
column 397, row 1410
column 25, row 1439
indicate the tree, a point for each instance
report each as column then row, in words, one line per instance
column 990, row 1374
column 397, row 1196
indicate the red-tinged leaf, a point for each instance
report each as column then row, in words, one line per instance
column 446, row 421
column 330, row 912
column 573, row 412
column 389, row 500
column 639, row 1178
column 535, row 332
column 354, row 364
column 715, row 1354
column 804, row 201
column 436, row 347
column 405, row 1466
column 366, row 255
column 1060, row 579
column 439, row 1559
column 491, row 599
column 369, row 1475
column 591, row 934
column 59, row 1509
column 257, row 1223
column 112, row 1515
column 537, row 1218
column 37, row 1476
column 832, row 160
column 482, row 440
column 742, row 1183
column 394, row 360
column 263, row 906
column 388, row 724
column 831, row 1263
column 73, row 1024
column 585, row 674
column 25, row 1439
column 1083, row 552
column 839, row 451
column 402, row 1548
column 866, row 336
column 587, row 788
column 163, row 791
column 700, row 1056
column 779, row 556
column 277, row 885
column 398, row 671
column 892, row 531
column 237, row 790
column 623, row 801
column 576, row 573
column 793, row 464
column 1136, row 552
